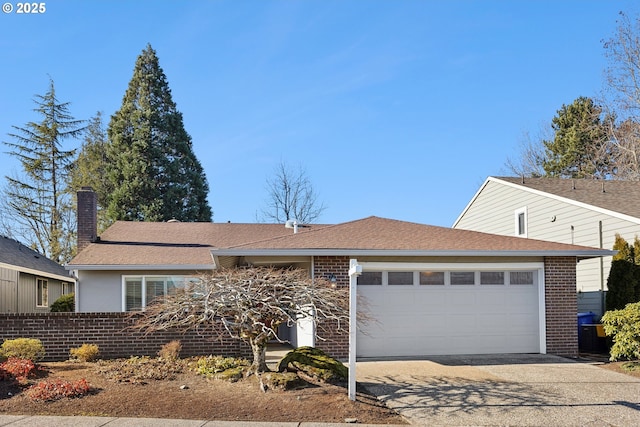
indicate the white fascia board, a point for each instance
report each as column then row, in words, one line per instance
column 587, row 253
column 38, row 272
column 480, row 266
column 473, row 199
column 568, row 201
column 139, row 267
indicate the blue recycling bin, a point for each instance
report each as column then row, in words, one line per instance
column 584, row 319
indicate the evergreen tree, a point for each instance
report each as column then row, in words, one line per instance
column 38, row 198
column 579, row 148
column 90, row 168
column 152, row 168
column 623, row 284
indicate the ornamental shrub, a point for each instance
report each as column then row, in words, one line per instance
column 57, row 388
column 23, row 348
column 19, row 369
column 85, row 353
column 624, row 326
column 171, row 350
column 64, row 304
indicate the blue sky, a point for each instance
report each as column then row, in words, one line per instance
column 395, row 108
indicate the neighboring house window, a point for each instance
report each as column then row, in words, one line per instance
column 66, row 288
column 521, row 222
column 139, row 291
column 42, row 293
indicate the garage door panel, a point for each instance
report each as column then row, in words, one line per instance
column 432, row 320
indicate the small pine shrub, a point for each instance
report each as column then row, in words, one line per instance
column 23, row 348
column 210, row 366
column 171, row 350
column 64, row 304
column 85, row 353
column 624, row 326
column 56, row 389
column 18, row 369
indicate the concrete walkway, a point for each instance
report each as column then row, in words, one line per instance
column 514, row 390
column 46, row 421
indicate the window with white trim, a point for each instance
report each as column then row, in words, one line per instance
column 42, row 293
column 139, row 291
column 67, row 288
column 521, row 222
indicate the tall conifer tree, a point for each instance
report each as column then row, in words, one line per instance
column 37, row 200
column 152, row 168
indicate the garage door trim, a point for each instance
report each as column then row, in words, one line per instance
column 493, row 266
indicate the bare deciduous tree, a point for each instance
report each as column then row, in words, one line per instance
column 291, row 197
column 531, row 155
column 251, row 303
column 623, row 93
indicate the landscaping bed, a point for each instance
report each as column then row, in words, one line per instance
column 184, row 394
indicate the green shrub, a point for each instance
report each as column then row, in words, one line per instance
column 23, row 348
column 171, row 350
column 64, row 304
column 85, row 353
column 221, row 367
column 624, row 326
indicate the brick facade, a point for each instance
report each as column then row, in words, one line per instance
column 561, row 305
column 334, row 338
column 112, row 332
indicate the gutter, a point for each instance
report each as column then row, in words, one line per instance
column 581, row 254
column 136, row 267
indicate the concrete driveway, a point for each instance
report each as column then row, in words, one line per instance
column 514, row 390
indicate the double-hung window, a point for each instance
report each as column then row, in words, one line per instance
column 42, row 293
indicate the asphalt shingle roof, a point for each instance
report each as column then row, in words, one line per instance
column 21, row 257
column 617, row 196
column 138, row 243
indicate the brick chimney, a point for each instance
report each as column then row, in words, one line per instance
column 87, row 217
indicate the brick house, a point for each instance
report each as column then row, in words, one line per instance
column 431, row 290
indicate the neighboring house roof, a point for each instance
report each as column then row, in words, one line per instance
column 136, row 245
column 618, row 198
column 16, row 256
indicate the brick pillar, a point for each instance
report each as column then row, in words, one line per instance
column 87, row 217
column 334, row 338
column 561, row 306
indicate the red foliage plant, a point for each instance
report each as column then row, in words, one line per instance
column 57, row 389
column 18, row 369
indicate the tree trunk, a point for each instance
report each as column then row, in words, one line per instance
column 259, row 350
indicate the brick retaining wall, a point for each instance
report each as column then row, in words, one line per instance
column 112, row 332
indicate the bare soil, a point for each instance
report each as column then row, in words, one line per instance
column 190, row 396
column 617, row 367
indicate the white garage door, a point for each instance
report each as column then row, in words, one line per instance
column 437, row 312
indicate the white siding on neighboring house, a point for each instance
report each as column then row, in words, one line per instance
column 553, row 219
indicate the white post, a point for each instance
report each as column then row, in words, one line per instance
column 354, row 271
